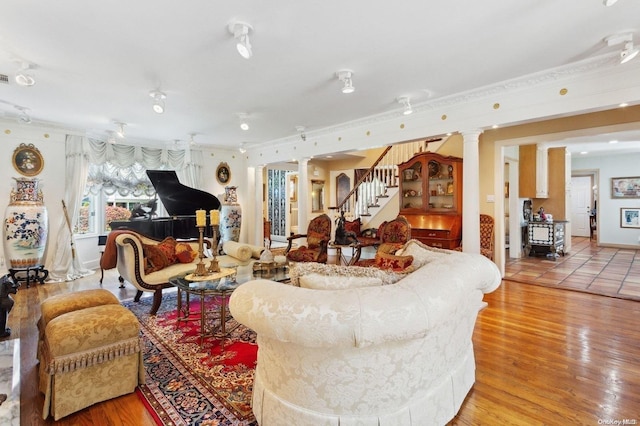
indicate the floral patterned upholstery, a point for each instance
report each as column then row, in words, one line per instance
column 318, row 236
column 392, row 236
column 486, row 236
column 397, row 354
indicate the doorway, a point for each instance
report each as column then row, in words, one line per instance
column 583, row 199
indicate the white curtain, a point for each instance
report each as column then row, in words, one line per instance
column 80, row 154
column 66, row 263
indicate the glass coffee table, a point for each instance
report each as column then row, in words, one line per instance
column 219, row 284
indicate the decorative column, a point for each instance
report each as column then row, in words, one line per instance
column 470, row 192
column 258, row 208
column 303, row 195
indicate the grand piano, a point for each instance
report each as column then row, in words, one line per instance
column 180, row 201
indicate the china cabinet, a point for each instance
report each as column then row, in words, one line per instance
column 431, row 198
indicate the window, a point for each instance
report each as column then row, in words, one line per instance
column 110, row 195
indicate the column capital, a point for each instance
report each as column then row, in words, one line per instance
column 471, row 135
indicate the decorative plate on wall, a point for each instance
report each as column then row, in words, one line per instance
column 27, row 160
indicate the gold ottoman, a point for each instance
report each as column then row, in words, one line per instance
column 88, row 356
column 62, row 303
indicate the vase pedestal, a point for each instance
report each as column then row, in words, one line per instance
column 29, row 274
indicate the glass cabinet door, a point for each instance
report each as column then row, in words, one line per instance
column 441, row 186
column 412, row 193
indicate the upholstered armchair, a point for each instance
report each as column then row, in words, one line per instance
column 487, row 226
column 392, row 236
column 318, row 236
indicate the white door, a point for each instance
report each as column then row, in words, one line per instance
column 580, row 205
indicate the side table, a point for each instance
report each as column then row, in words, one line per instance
column 342, row 259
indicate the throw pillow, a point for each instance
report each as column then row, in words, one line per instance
column 353, row 226
column 393, row 262
column 314, row 239
column 328, row 282
column 154, row 258
column 185, row 253
column 422, row 253
column 168, row 247
column 338, row 272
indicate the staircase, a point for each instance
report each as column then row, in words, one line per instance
column 378, row 185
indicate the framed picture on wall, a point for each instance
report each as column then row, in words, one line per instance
column 27, row 160
column 629, row 217
column 223, row 173
column 625, row 187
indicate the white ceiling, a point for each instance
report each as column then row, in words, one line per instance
column 96, row 62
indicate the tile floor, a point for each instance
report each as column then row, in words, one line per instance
column 588, row 268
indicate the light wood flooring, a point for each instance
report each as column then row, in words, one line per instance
column 544, row 356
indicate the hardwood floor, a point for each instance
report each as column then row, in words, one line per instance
column 544, row 356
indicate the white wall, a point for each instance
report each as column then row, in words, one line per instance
column 50, row 142
column 609, row 230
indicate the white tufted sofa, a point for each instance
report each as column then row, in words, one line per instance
column 396, row 354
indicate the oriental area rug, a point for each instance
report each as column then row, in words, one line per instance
column 187, row 384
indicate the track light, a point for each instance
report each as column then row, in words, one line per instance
column 120, row 129
column 629, row 51
column 244, row 122
column 158, row 101
column 345, row 76
column 242, row 148
column 24, row 116
column 240, row 31
column 301, row 130
column 406, row 102
column 24, row 77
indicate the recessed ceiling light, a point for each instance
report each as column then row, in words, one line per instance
column 584, row 152
column 613, row 141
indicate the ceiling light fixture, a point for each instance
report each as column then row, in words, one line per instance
column 609, row 2
column 24, row 116
column 301, row 129
column 345, row 76
column 242, row 148
column 628, row 52
column 244, row 122
column 158, row 100
column 191, row 141
column 24, row 77
column 406, row 102
column 240, row 31
column 120, row 129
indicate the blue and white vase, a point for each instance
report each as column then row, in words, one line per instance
column 25, row 225
column 230, row 222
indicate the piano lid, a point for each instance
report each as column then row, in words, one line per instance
column 179, row 199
